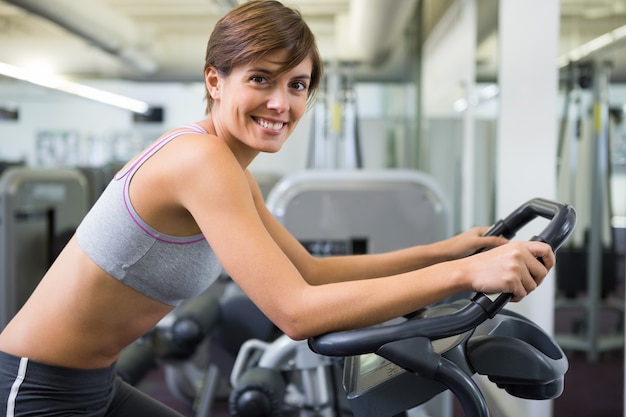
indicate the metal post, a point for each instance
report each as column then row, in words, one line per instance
column 599, row 167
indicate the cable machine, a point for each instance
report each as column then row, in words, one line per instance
column 335, row 138
column 39, row 210
column 586, row 267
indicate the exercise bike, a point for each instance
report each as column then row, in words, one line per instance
column 394, row 367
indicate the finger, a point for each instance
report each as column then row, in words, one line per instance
column 480, row 230
column 493, row 241
column 519, row 293
column 524, row 284
column 538, row 266
column 531, row 281
column 543, row 252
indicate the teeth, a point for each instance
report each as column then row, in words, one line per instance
column 269, row 125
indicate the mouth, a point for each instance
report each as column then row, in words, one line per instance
column 275, row 126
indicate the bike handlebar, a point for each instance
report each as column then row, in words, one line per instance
column 368, row 340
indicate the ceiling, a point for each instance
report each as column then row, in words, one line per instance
column 585, row 22
column 164, row 40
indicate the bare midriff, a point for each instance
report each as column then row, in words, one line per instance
column 79, row 316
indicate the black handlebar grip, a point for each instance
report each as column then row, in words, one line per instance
column 562, row 222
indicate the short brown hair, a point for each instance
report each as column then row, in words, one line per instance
column 256, row 28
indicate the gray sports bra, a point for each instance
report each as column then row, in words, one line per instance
column 166, row 268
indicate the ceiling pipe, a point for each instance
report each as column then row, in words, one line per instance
column 96, row 24
column 227, row 5
column 371, row 29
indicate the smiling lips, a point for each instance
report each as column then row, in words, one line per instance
column 276, row 126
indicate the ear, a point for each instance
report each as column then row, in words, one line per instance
column 212, row 82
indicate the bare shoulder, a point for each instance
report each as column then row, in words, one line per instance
column 191, row 183
column 198, row 150
column 198, row 159
column 205, row 172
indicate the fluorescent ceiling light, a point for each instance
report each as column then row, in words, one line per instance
column 593, row 45
column 486, row 93
column 58, row 83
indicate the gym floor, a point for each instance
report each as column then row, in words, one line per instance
column 593, row 389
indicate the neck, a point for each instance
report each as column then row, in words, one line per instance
column 244, row 154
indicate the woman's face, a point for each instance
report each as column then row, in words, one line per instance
column 256, row 107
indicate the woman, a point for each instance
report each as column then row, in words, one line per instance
column 178, row 212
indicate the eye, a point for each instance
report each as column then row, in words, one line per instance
column 259, row 79
column 299, row 85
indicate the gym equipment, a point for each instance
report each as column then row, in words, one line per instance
column 587, row 267
column 284, row 377
column 39, row 211
column 97, row 180
column 173, row 344
column 196, row 344
column 334, row 212
column 189, row 324
column 337, row 212
column 393, row 367
column 335, row 140
column 4, row 165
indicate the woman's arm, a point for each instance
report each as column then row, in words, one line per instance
column 355, row 267
column 216, row 191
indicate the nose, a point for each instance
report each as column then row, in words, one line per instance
column 278, row 100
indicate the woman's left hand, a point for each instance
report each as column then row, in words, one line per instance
column 470, row 241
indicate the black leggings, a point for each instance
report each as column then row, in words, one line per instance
column 30, row 388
